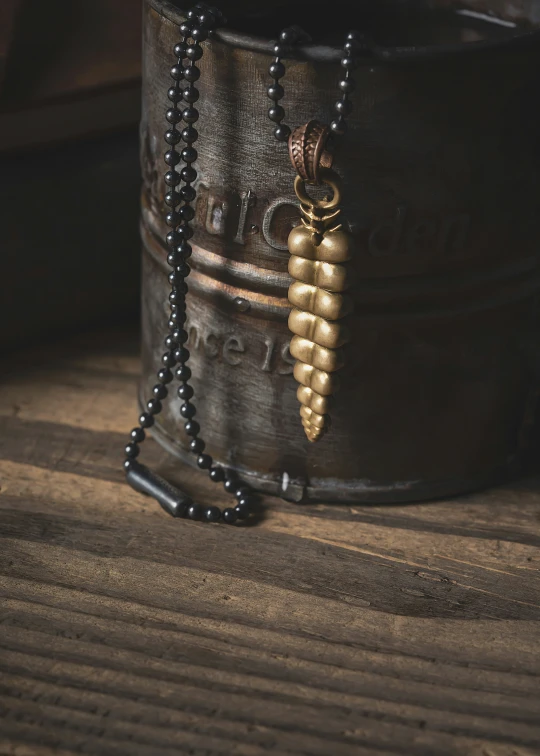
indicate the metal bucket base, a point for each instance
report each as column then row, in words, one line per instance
column 356, row 491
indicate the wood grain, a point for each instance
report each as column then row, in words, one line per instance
column 319, row 630
column 88, row 79
column 82, row 47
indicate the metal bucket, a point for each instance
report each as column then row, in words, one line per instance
column 440, row 170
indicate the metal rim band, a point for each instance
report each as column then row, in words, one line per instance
column 376, row 53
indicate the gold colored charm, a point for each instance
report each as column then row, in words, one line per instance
column 319, row 247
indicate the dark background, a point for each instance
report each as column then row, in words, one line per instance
column 69, row 167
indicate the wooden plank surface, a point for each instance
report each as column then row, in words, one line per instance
column 81, row 46
column 328, row 630
column 88, row 80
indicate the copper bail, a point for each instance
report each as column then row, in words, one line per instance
column 307, row 150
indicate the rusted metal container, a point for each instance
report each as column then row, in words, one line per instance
column 440, row 170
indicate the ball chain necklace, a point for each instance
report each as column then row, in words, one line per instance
column 318, row 247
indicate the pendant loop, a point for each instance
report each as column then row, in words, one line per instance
column 326, row 176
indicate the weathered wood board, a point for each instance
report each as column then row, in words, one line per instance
column 328, row 630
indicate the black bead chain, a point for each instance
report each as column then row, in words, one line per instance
column 287, row 40
column 200, row 22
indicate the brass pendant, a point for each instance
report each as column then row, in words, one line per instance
column 319, row 247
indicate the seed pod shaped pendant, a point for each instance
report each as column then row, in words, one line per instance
column 320, row 249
